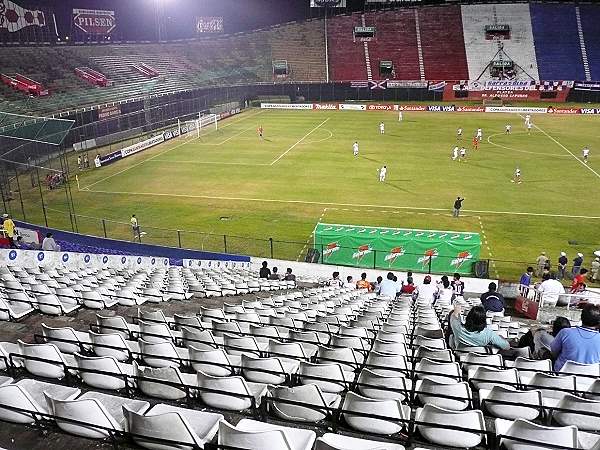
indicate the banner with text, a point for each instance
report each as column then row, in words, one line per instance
column 94, row 21
column 13, row 17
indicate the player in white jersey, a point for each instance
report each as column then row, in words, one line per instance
column 382, row 173
column 463, row 154
column 507, row 128
column 479, row 134
column 382, row 128
column 454, row 153
column 355, row 149
column 459, row 133
column 586, row 153
column 527, row 119
column 529, row 127
column 517, row 176
column 399, row 116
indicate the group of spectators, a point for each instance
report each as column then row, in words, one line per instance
column 544, row 266
column 273, row 274
column 17, row 241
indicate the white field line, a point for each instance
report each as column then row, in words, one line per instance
column 355, row 205
column 489, row 140
column 567, row 150
column 237, row 134
column 310, row 238
column 172, row 161
column 300, row 141
column 165, row 151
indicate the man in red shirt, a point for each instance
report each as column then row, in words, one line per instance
column 579, row 282
column 260, row 131
column 475, row 143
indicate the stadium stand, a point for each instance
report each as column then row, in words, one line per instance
column 396, row 41
column 519, row 48
column 557, row 60
column 444, row 56
column 590, row 17
column 301, row 45
column 346, row 57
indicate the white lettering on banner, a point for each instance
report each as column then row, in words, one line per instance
column 590, row 110
column 406, row 84
column 353, row 107
column 286, row 105
column 515, row 109
column 326, row 106
column 386, row 107
column 127, row 151
column 412, row 108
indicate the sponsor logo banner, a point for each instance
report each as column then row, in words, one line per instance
column 470, row 109
column 352, row 107
column 331, row 248
column 359, row 84
column 361, row 252
column 377, row 84
column 110, row 158
column 109, row 111
column 231, row 112
column 515, row 109
column 286, row 105
column 392, row 84
column 588, row 86
column 325, row 106
column 441, row 108
column 382, row 107
column 94, row 21
column 328, row 3
column 412, row 108
column 552, row 110
column 460, row 259
column 209, row 24
column 135, row 148
column 590, row 110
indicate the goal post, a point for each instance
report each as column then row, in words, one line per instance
column 202, row 122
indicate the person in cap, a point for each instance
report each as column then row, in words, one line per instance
column 540, row 263
column 562, row 266
column 577, row 263
column 595, row 268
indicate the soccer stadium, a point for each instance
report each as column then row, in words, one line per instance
column 299, row 224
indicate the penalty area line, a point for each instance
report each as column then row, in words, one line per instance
column 334, row 204
column 300, row 141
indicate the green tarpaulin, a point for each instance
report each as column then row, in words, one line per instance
column 397, row 248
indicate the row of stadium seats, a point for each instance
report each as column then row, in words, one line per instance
column 324, row 358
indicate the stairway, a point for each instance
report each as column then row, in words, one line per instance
column 584, row 57
column 419, row 46
column 367, row 58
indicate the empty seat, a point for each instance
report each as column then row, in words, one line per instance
column 254, row 435
column 391, row 414
column 438, row 371
column 163, row 354
column 214, row 362
column 113, row 344
column 66, row 339
column 330, row 377
column 383, row 385
column 319, row 403
column 446, row 394
column 580, row 412
column 167, row 383
column 430, row 417
column 506, row 402
column 267, row 370
column 535, row 435
column 51, row 304
column 103, row 372
column 330, row 441
column 172, row 425
column 553, row 387
column 487, row 377
column 230, row 393
column 13, row 310
column 49, row 362
column 95, row 300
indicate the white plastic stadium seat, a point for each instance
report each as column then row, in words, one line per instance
column 430, row 417
column 330, row 441
column 254, row 435
column 539, row 434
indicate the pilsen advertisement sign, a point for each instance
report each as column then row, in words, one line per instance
column 94, row 21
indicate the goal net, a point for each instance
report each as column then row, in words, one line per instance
column 208, row 121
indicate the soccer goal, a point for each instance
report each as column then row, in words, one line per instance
column 207, row 121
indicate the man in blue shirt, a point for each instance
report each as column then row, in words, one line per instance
column 579, row 344
column 525, row 281
column 491, row 300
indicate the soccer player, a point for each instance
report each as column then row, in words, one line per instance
column 382, row 128
column 259, row 130
column 355, row 149
column 479, row 134
column 463, row 154
column 507, row 128
column 382, row 173
column 459, row 133
column 517, row 176
column 586, row 153
column 529, row 127
column 527, row 119
column 475, row 143
column 455, row 154
column 399, row 116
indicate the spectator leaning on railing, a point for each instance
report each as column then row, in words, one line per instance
column 49, row 244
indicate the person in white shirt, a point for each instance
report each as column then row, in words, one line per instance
column 355, row 149
column 586, row 153
column 388, row 287
column 508, row 128
column 529, row 127
column 454, row 153
column 527, row 119
column 381, row 128
column 335, row 280
column 399, row 116
column 479, row 134
column 382, row 173
column 551, row 289
column 517, row 176
column 459, row 133
column 445, row 292
column 463, row 154
column 427, row 292
column 49, row 244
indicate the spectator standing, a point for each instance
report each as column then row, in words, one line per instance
column 579, row 344
column 577, row 263
column 135, row 227
column 457, row 206
column 264, row 271
column 79, row 166
column 474, row 333
column 551, row 289
column 492, row 300
column 10, row 228
column 525, row 282
column 540, row 263
column 49, row 244
column 562, row 265
column 458, row 286
column 289, row 276
column 578, row 284
column 86, row 161
column 363, row 283
column 445, row 293
column 595, row 269
column 388, row 287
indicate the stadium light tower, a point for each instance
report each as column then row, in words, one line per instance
column 161, row 24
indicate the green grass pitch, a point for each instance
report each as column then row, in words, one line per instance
column 231, row 182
